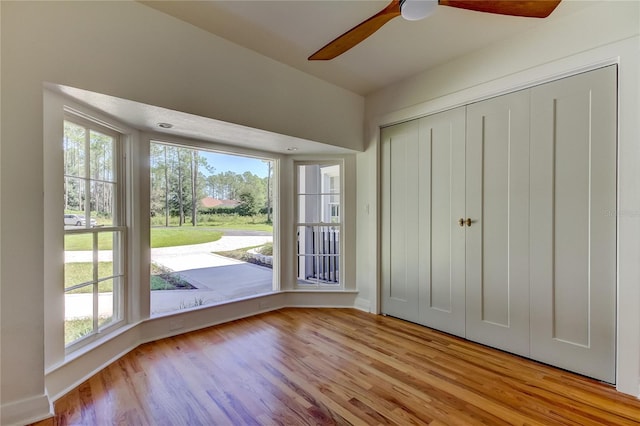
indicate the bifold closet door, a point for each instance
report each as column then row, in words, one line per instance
column 497, row 239
column 422, row 257
column 400, row 261
column 573, row 223
column 442, row 258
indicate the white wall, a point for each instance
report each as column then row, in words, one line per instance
column 127, row 50
column 603, row 33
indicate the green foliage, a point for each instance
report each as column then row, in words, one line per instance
column 248, row 206
column 77, row 328
column 241, row 253
column 266, row 249
column 177, row 182
column 181, row 177
column 164, row 279
column 98, row 155
column 223, row 221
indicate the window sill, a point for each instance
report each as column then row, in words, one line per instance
column 90, row 347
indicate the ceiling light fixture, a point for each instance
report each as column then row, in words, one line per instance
column 165, row 125
column 291, row 149
column 413, row 10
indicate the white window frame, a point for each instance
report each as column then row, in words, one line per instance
column 305, row 284
column 213, row 147
column 119, row 226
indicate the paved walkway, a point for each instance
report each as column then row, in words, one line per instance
column 217, row 278
column 226, row 243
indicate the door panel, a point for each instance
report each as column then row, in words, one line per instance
column 573, row 225
column 497, row 193
column 441, row 186
column 399, row 239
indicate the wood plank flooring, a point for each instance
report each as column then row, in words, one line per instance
column 334, row 366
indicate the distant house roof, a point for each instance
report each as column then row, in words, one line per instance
column 214, row 202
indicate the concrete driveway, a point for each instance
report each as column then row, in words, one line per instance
column 217, row 278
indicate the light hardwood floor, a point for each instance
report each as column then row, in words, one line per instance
column 334, row 366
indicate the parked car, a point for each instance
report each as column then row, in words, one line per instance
column 78, row 220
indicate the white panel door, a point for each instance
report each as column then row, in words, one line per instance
column 573, row 223
column 441, row 187
column 497, row 240
column 400, row 263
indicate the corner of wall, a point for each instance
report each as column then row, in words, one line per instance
column 362, row 304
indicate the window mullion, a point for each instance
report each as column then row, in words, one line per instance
column 96, row 276
column 87, row 174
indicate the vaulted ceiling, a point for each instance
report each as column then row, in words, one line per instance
column 290, row 31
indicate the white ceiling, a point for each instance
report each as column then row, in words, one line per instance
column 290, row 31
column 227, row 136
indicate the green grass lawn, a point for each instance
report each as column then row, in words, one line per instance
column 79, row 327
column 76, row 273
column 80, row 272
column 160, row 237
column 182, row 236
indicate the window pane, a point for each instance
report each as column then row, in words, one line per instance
column 308, row 208
column 102, row 203
column 316, row 179
column 308, row 182
column 102, row 147
column 319, row 208
column 78, row 318
column 78, row 273
column 106, row 242
column 76, row 328
column 318, row 250
column 306, row 240
column 74, row 150
column 216, row 191
column 94, row 266
column 74, row 196
column 105, row 302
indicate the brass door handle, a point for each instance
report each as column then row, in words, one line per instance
column 462, row 221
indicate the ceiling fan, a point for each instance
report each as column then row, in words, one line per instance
column 413, row 10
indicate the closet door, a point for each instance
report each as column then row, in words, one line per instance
column 441, row 189
column 400, row 263
column 497, row 240
column 422, row 257
column 573, row 223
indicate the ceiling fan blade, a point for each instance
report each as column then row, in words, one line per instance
column 527, row 8
column 358, row 33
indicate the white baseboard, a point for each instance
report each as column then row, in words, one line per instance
column 362, row 304
column 26, row 411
